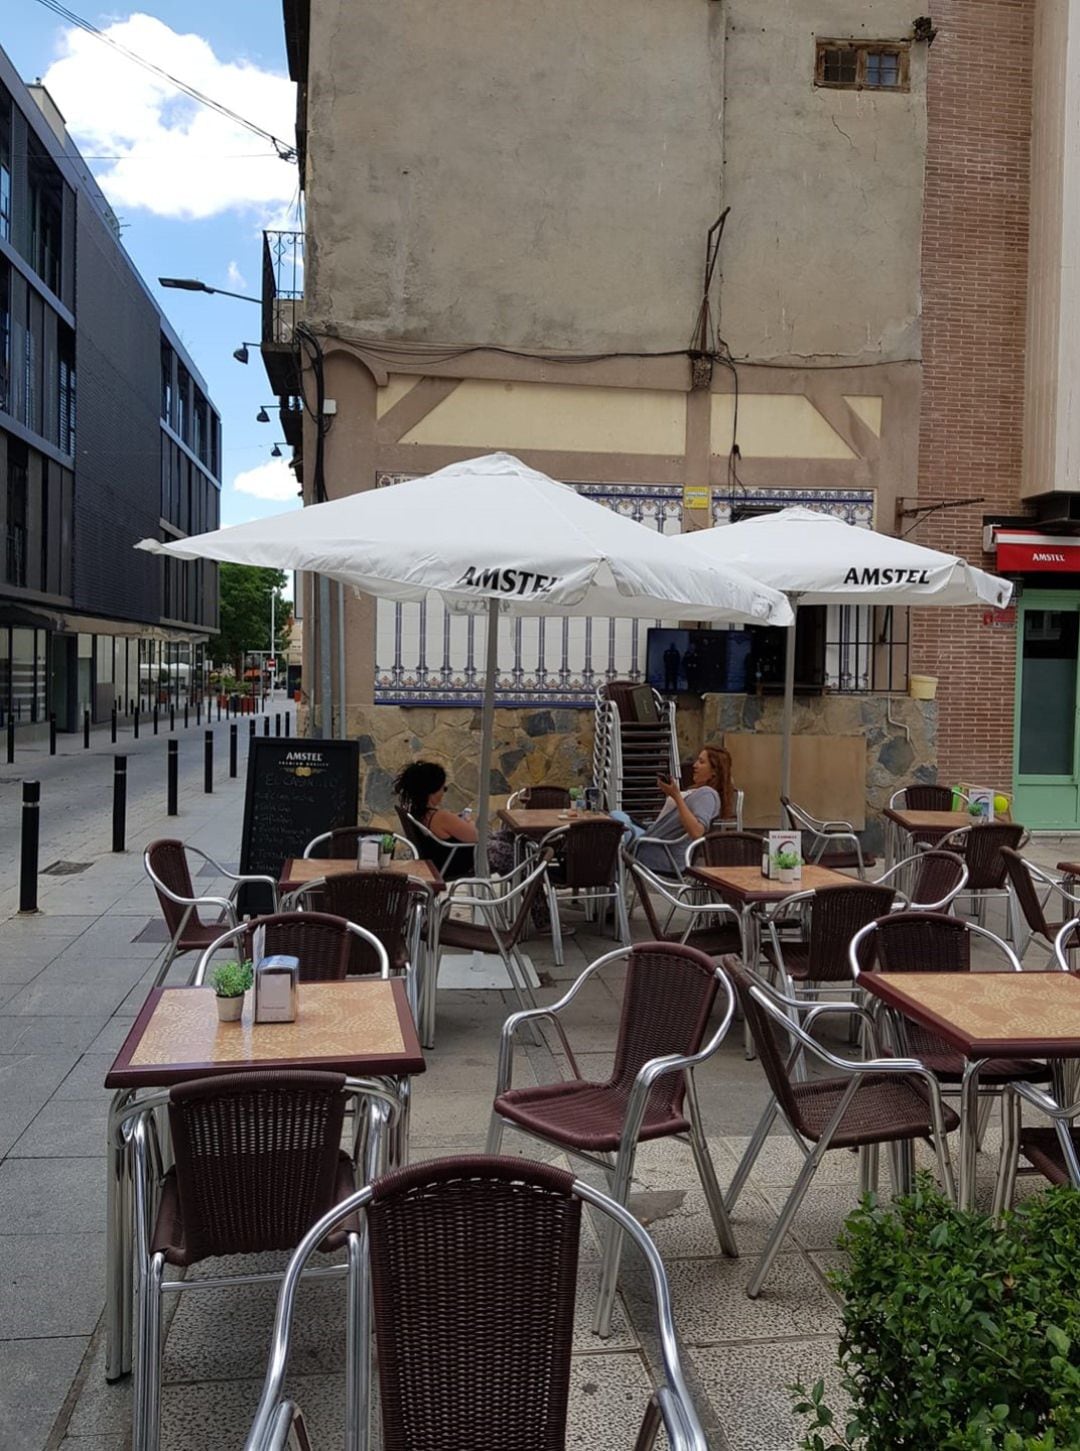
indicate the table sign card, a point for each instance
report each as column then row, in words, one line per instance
column 774, row 841
column 981, row 803
column 369, row 852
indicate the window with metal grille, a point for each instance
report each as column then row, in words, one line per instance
column 866, row 648
column 875, row 65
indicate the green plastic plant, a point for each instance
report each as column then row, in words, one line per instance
column 786, row 861
column 231, row 979
column 958, row 1334
column 577, row 795
column 387, row 842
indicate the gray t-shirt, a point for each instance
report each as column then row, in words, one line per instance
column 704, row 802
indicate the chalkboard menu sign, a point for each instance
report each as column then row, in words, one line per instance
column 296, row 789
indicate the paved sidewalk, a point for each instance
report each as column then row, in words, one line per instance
column 71, row 981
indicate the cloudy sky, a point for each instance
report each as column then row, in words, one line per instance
column 192, row 189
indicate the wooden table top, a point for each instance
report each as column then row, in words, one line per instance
column 744, row 885
column 989, row 1014
column 298, row 870
column 943, row 821
column 538, row 823
column 360, row 1027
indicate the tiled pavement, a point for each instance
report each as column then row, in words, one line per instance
column 71, row 980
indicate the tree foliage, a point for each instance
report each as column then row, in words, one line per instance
column 245, row 613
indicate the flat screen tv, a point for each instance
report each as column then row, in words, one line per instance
column 736, row 661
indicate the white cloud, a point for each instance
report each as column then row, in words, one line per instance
column 235, row 278
column 177, row 158
column 271, row 480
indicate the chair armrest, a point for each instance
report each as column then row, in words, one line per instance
column 781, row 908
column 1047, row 1105
column 845, row 827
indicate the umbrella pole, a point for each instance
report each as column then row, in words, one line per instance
column 487, row 734
column 789, row 704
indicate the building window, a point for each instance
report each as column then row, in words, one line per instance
column 183, row 403
column 167, row 358
column 5, row 165
column 875, row 65
column 5, row 337
column 46, row 211
column 17, row 472
column 66, row 368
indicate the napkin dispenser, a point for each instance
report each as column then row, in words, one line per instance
column 368, row 855
column 276, row 980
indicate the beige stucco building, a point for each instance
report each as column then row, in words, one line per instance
column 672, row 254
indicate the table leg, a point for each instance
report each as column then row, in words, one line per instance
column 751, row 951
column 117, row 1245
column 969, row 1133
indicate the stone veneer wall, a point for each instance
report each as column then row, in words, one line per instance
column 556, row 745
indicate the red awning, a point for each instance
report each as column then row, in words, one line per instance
column 1022, row 551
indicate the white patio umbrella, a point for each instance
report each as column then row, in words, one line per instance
column 491, row 535
column 819, row 560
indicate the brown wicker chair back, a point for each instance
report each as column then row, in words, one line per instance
column 729, row 849
column 637, row 876
column 669, row 993
column 919, row 942
column 344, row 841
column 257, row 1162
column 323, row 944
column 410, row 833
column 772, row 1047
column 981, row 850
column 938, row 874
column 168, row 860
column 375, row 900
column 835, row 915
column 474, row 1272
column 590, row 854
column 923, row 797
column 1023, row 887
column 547, row 798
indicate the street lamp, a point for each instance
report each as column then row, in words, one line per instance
column 193, row 284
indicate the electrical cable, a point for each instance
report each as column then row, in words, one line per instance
column 282, row 148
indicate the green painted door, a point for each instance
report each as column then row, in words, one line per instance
column 1047, row 765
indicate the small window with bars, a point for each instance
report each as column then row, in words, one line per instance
column 855, row 65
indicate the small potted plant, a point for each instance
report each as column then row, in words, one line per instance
column 786, row 864
column 576, row 794
column 230, row 981
column 387, row 843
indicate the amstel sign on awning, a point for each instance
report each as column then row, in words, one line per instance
column 1022, row 551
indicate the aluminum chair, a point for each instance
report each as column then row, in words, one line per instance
column 540, row 798
column 585, row 859
column 504, row 906
column 928, row 881
column 325, row 945
column 473, row 1272
column 454, row 858
column 981, row 847
column 823, row 834
column 862, row 1105
column 1029, row 908
column 388, row 905
column 730, row 823
column 344, row 841
column 668, row 996
column 165, row 863
column 816, row 961
column 725, row 849
column 257, row 1160
column 712, row 927
column 924, row 796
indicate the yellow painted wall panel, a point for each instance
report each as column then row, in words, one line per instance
column 868, row 409
column 395, row 390
column 489, row 415
column 775, row 425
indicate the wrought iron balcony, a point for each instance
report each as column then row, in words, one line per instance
column 282, row 306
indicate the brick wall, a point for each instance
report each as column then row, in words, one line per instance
column 974, row 276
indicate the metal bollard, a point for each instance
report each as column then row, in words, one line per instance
column 185, row 715
column 86, row 730
column 11, row 740
column 31, row 826
column 251, row 728
column 112, row 726
column 208, row 763
column 219, row 707
column 232, row 749
column 172, row 717
column 266, row 725
column 52, row 735
column 155, row 719
column 277, row 724
column 135, row 723
column 119, row 803
column 198, row 710
column 172, row 809
column 288, row 727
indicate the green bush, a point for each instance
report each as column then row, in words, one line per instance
column 959, row 1334
column 231, row 979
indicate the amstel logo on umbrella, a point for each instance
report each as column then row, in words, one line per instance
column 508, row 581
column 880, row 577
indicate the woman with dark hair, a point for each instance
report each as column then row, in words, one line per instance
column 420, row 788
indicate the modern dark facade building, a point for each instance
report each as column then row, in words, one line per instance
column 107, row 436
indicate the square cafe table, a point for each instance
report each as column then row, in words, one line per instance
column 986, row 1015
column 361, row 1027
column 536, row 824
column 298, row 871
column 930, row 826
